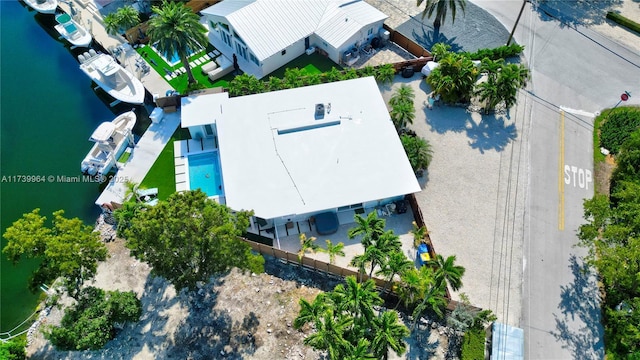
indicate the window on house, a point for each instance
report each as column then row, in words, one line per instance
column 208, row 129
column 235, row 34
column 370, row 31
column 283, row 52
column 226, row 38
column 254, row 59
column 224, row 26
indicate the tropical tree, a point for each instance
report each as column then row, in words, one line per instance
column 189, row 238
column 402, row 114
column 177, row 30
column 385, row 73
column 439, row 50
column 385, row 244
column 440, row 7
column 389, row 335
column 329, row 335
column 360, row 351
column 307, row 245
column 332, row 75
column 419, row 234
column 293, row 77
column 512, row 77
column 447, row 271
column 396, row 264
column 357, row 299
column 403, row 94
column 369, row 228
column 69, row 249
column 310, row 312
column 418, row 151
column 122, row 19
column 411, row 288
column 454, row 78
column 434, row 298
column 360, row 262
column 334, row 250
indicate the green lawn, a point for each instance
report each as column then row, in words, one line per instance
column 309, row 64
column 162, row 173
column 180, row 82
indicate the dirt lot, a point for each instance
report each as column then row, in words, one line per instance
column 603, row 171
column 235, row 316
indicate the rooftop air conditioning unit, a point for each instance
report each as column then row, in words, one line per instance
column 319, row 111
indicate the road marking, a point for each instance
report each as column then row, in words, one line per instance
column 576, row 111
column 561, row 175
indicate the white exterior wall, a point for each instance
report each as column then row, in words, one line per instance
column 277, row 60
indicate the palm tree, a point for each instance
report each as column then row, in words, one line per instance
column 377, row 253
column 334, row 250
column 310, row 312
column 307, row 244
column 329, row 334
column 360, row 351
column 333, row 75
column 122, row 19
column 488, row 93
column 447, row 271
column 418, row 151
column 433, row 298
column 360, row 262
column 403, row 94
column 176, row 29
column 370, row 228
column 411, row 287
column 357, row 299
column 454, row 79
column 440, row 7
column 385, row 73
column 419, row 234
column 397, row 263
column 511, row 78
column 402, row 114
column 389, row 334
column 439, row 50
column 131, row 190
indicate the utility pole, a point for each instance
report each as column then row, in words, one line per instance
column 524, row 2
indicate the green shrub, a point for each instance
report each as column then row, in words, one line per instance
column 473, row 345
column 13, row 349
column 90, row 323
column 616, row 129
column 501, row 52
column 619, row 19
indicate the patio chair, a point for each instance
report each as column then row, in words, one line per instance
column 147, row 192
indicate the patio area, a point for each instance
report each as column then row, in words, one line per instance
column 287, row 236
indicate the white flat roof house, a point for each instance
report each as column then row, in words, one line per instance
column 294, row 153
column 267, row 34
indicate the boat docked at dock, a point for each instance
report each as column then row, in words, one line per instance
column 72, row 31
column 43, row 6
column 111, row 140
column 111, row 77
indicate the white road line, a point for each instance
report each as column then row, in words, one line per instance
column 577, row 111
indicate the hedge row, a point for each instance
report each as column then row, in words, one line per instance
column 618, row 125
column 501, row 52
column 619, row 19
column 473, row 345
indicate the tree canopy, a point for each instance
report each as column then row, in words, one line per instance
column 189, row 238
column 175, row 28
column 68, row 249
column 612, row 236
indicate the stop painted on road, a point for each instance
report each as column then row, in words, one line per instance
column 578, row 177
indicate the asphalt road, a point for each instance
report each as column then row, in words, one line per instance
column 581, row 72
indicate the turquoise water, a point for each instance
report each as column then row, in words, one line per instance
column 204, row 173
column 173, row 60
column 48, row 110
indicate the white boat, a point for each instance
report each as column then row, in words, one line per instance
column 43, row 6
column 72, row 31
column 111, row 140
column 111, row 77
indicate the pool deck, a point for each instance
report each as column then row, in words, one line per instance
column 143, row 156
column 89, row 17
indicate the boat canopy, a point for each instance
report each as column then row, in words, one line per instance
column 103, row 132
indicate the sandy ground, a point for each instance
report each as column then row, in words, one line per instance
column 235, row 316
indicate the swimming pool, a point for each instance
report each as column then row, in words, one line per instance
column 204, row 173
column 173, row 60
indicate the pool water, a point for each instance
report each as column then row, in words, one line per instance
column 204, row 173
column 173, row 59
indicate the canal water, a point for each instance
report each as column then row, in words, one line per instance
column 48, row 110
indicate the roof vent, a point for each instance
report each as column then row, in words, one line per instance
column 319, row 111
